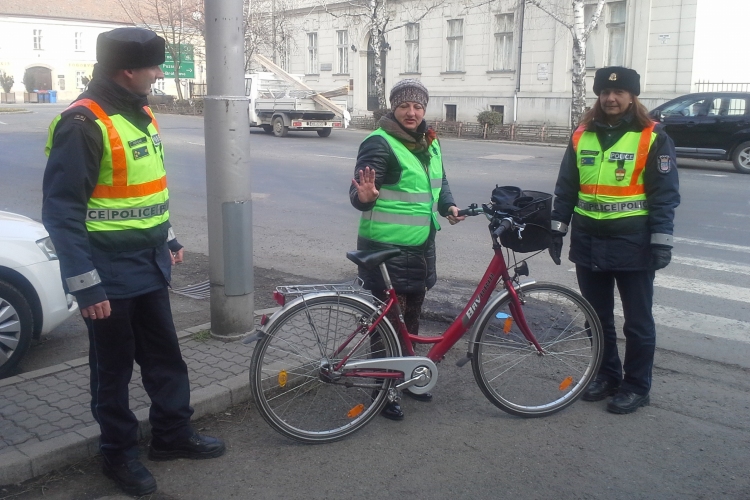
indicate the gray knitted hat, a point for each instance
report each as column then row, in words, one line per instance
column 409, row 90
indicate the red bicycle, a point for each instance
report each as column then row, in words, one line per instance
column 329, row 360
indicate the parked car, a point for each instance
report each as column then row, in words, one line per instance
column 32, row 300
column 159, row 97
column 710, row 126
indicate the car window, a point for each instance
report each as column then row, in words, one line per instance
column 733, row 107
column 690, row 107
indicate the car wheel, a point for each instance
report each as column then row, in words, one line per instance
column 267, row 129
column 279, row 130
column 324, row 132
column 741, row 158
column 16, row 326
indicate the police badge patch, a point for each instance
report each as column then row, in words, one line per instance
column 664, row 164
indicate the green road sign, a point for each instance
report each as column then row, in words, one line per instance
column 187, row 63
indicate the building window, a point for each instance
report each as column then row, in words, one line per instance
column 616, row 32
column 79, row 79
column 498, row 109
column 79, row 41
column 593, row 41
column 450, row 112
column 159, row 84
column 412, row 48
column 284, row 55
column 37, row 39
column 312, row 54
column 342, row 51
column 503, row 42
column 455, row 44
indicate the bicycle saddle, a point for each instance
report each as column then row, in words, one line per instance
column 370, row 259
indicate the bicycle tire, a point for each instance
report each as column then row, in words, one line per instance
column 510, row 372
column 285, row 375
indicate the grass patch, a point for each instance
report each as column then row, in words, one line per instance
column 202, row 336
column 12, row 110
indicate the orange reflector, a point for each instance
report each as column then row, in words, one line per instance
column 507, row 325
column 566, row 383
column 356, row 411
column 282, row 378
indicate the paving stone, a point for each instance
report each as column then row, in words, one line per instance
column 16, row 467
column 44, row 430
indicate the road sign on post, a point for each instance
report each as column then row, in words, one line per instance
column 187, row 63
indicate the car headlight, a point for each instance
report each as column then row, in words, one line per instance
column 47, row 247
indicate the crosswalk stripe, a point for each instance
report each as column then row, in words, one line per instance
column 713, row 244
column 712, row 265
column 726, row 292
column 704, row 324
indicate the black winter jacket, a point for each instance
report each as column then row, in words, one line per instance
column 128, row 265
column 414, row 270
column 619, row 244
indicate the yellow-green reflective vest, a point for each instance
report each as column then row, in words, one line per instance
column 611, row 181
column 131, row 192
column 404, row 212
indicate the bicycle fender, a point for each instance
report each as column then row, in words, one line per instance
column 482, row 317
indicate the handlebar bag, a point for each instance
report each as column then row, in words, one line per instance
column 534, row 209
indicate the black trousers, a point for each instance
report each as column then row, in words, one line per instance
column 636, row 293
column 139, row 329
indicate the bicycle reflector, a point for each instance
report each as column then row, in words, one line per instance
column 356, row 411
column 279, row 298
column 282, row 378
column 566, row 383
column 507, row 324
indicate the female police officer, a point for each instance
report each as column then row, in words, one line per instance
column 618, row 182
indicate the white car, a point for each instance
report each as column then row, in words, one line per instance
column 32, row 300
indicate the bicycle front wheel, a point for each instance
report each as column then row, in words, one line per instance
column 514, row 375
column 290, row 377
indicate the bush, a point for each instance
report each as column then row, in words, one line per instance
column 490, row 118
column 28, row 81
column 379, row 113
column 6, row 81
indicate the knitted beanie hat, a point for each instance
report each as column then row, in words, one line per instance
column 409, row 90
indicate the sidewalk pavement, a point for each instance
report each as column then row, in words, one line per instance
column 46, row 417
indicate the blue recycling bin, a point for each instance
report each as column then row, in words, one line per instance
column 53, row 96
column 43, row 96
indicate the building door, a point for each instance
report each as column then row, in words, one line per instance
column 42, row 77
column 372, row 95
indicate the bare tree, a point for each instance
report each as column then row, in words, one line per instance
column 573, row 18
column 174, row 20
column 380, row 18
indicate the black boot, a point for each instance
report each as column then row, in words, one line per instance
column 131, row 476
column 393, row 411
column 195, row 447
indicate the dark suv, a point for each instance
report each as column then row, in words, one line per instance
column 710, row 126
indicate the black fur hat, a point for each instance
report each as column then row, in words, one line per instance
column 129, row 48
column 617, row 77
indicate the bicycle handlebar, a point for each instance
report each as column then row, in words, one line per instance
column 505, row 224
column 473, row 210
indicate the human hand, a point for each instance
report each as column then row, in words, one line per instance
column 555, row 247
column 366, row 190
column 177, row 257
column 100, row 310
column 660, row 257
column 453, row 216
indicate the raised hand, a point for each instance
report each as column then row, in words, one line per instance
column 366, row 190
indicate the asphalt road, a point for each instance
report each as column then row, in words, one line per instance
column 693, row 442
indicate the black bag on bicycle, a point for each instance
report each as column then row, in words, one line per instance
column 532, row 208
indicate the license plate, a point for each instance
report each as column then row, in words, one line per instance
column 316, row 124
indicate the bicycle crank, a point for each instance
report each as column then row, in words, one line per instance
column 420, row 373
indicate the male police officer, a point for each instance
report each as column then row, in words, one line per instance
column 106, row 207
column 618, row 181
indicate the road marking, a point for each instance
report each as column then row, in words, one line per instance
column 738, row 215
column 726, row 292
column 713, row 244
column 341, row 157
column 506, row 157
column 704, row 324
column 3, row 123
column 196, row 143
column 714, row 175
column 712, row 265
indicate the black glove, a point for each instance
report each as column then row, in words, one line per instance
column 555, row 246
column 660, row 257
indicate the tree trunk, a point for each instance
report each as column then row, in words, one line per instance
column 578, row 105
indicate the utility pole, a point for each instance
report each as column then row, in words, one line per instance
column 228, row 177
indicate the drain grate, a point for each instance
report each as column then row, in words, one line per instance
column 198, row 291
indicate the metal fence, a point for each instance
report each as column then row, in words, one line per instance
column 702, row 86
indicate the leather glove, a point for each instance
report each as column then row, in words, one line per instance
column 555, row 247
column 660, row 257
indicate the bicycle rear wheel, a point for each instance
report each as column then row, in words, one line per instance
column 288, row 377
column 510, row 371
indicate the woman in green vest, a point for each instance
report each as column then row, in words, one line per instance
column 400, row 186
column 618, row 185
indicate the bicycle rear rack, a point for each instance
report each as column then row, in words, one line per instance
column 355, row 287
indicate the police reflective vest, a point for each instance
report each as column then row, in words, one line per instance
column 131, row 192
column 404, row 212
column 611, row 181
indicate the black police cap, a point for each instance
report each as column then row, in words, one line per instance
column 130, row 48
column 617, row 77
